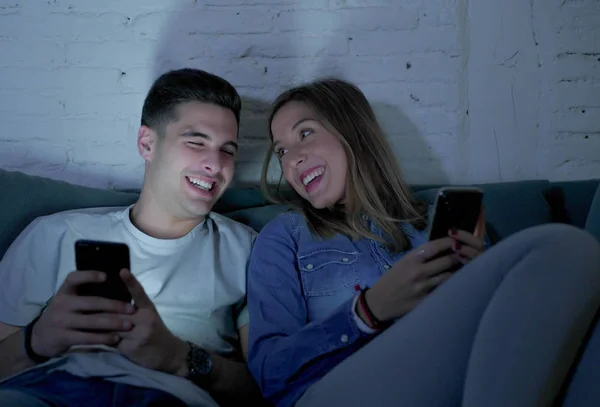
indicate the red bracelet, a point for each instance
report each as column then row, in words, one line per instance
column 373, row 321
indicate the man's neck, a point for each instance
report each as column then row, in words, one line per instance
column 149, row 217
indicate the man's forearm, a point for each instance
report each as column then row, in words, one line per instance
column 12, row 355
column 229, row 381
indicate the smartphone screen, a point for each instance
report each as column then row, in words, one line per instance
column 455, row 208
column 108, row 257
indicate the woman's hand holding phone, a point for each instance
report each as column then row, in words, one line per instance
column 468, row 246
column 411, row 279
column 421, row 270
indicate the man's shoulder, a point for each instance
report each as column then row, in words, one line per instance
column 226, row 225
column 74, row 217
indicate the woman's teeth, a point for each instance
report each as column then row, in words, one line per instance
column 313, row 175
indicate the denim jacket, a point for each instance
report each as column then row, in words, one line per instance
column 301, row 291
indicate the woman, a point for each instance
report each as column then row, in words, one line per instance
column 350, row 306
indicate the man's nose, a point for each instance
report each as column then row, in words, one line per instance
column 212, row 162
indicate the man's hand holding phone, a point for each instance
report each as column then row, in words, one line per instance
column 71, row 319
column 149, row 343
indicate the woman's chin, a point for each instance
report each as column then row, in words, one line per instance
column 321, row 202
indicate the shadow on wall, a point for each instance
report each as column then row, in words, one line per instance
column 418, row 162
column 186, row 42
column 283, row 50
column 280, row 51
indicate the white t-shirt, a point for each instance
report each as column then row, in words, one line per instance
column 197, row 283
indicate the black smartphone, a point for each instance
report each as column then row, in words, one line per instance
column 455, row 208
column 108, row 257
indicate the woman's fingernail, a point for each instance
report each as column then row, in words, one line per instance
column 453, row 231
column 457, row 245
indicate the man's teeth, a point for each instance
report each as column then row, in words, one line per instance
column 201, row 184
column 313, row 175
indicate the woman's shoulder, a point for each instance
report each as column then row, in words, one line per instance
column 286, row 223
column 416, row 236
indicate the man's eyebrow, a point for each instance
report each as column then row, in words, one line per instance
column 207, row 137
column 196, row 134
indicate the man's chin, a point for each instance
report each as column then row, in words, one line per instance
column 203, row 206
column 198, row 209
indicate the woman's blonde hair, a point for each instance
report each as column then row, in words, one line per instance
column 374, row 185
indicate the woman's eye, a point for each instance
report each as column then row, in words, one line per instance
column 305, row 132
column 279, row 153
column 194, row 144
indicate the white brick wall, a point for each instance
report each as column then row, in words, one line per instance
column 73, row 75
column 534, row 69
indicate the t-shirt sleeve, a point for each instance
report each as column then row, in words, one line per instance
column 243, row 317
column 28, row 273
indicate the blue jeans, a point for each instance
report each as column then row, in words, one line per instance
column 42, row 388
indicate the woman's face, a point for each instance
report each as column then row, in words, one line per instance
column 313, row 159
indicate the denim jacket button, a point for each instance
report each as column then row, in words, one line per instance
column 386, row 267
column 345, row 259
column 344, row 338
column 309, row 266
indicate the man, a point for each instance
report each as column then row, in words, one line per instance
column 175, row 344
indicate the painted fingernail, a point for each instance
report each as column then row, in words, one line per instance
column 453, row 231
column 457, row 245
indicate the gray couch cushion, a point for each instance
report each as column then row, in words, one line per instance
column 570, row 201
column 592, row 223
column 509, row 206
column 26, row 197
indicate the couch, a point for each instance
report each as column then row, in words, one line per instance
column 510, row 206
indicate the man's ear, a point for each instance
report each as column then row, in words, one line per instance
column 147, row 141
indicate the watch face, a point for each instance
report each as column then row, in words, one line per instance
column 199, row 362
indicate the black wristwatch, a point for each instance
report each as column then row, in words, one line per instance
column 199, row 365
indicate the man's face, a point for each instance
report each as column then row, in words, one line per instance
column 192, row 164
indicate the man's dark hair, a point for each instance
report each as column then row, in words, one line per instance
column 186, row 85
